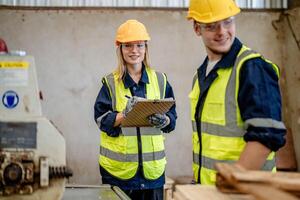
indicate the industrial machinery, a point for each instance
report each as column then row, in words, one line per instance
column 32, row 150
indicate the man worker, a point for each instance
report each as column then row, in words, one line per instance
column 235, row 98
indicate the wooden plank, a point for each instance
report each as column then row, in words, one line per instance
column 257, row 183
column 168, row 189
column 178, row 196
column 169, row 183
column 196, row 192
column 264, row 192
column 283, row 180
column 168, row 194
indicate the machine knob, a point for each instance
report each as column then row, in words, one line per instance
column 12, row 174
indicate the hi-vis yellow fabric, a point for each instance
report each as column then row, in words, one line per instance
column 221, row 128
column 119, row 155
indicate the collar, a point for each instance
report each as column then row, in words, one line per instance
column 229, row 58
column 128, row 82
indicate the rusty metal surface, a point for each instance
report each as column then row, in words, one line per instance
column 141, row 3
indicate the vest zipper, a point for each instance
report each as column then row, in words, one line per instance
column 139, row 141
column 199, row 110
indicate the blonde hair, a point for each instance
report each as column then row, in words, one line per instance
column 121, row 69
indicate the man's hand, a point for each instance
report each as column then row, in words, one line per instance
column 159, row 120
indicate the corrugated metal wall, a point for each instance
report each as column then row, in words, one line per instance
column 255, row 4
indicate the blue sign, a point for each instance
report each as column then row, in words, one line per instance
column 10, row 99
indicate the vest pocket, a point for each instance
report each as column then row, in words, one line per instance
column 193, row 103
column 117, row 144
column 214, row 112
column 113, row 152
column 158, row 143
column 222, row 148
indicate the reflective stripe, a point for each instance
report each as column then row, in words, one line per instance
column 230, row 97
column 153, row 156
column 118, row 156
column 131, row 131
column 111, row 84
column 194, row 79
column 219, row 130
column 161, row 84
column 224, row 131
column 131, row 157
column 269, row 165
column 209, row 163
column 101, row 117
column 264, row 122
column 194, row 126
column 196, row 158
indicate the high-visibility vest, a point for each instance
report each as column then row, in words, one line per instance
column 120, row 155
column 220, row 137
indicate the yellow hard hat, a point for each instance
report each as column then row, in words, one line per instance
column 209, row 11
column 131, row 30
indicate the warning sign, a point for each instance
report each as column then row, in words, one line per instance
column 14, row 73
column 14, row 64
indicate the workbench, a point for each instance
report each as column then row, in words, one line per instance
column 88, row 192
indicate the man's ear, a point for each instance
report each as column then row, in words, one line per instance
column 197, row 28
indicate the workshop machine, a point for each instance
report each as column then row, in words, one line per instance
column 32, row 150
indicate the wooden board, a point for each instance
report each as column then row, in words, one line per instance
column 168, row 189
column 196, row 192
column 137, row 117
column 260, row 184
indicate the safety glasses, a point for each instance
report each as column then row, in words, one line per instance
column 213, row 27
column 131, row 46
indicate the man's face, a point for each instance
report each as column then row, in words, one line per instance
column 217, row 37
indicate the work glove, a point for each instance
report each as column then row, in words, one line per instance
column 159, row 120
column 130, row 104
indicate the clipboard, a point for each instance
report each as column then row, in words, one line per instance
column 137, row 117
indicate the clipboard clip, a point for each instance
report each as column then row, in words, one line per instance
column 155, row 101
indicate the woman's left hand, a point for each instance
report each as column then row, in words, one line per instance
column 159, row 120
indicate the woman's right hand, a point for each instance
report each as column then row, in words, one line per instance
column 119, row 118
column 130, row 103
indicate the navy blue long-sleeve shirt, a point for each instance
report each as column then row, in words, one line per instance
column 103, row 106
column 258, row 95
